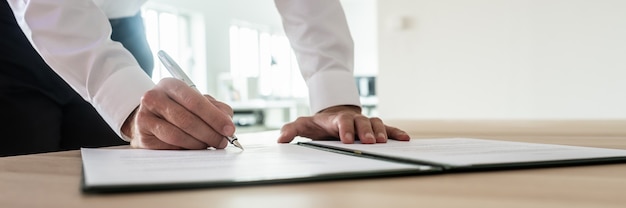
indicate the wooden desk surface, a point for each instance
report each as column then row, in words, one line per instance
column 53, row 179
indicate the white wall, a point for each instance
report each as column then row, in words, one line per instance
column 493, row 59
column 362, row 17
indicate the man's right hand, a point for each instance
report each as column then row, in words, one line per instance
column 175, row 116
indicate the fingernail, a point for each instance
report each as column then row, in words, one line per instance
column 369, row 139
column 370, row 136
column 382, row 136
column 228, row 130
column 348, row 136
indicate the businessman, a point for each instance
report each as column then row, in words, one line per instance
column 72, row 37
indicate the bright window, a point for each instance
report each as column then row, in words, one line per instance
column 170, row 31
column 268, row 59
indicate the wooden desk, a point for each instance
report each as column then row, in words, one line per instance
column 53, row 179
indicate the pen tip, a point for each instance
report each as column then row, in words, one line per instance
column 236, row 143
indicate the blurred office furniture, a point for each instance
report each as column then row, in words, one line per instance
column 367, row 94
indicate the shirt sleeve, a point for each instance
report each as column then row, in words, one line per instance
column 73, row 37
column 319, row 34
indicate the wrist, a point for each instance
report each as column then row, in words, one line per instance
column 128, row 127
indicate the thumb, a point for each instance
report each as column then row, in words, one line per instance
column 287, row 133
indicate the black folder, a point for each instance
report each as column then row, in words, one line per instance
column 124, row 170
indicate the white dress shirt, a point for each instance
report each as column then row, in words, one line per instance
column 73, row 37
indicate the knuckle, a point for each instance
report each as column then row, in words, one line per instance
column 343, row 117
column 143, row 115
column 184, row 122
column 190, row 102
column 150, row 97
column 227, row 108
column 361, row 118
column 376, row 119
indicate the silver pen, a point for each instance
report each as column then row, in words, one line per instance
column 178, row 73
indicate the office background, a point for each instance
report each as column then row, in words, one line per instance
column 447, row 59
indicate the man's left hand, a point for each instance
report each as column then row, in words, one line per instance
column 343, row 122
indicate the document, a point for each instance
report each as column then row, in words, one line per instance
column 139, row 169
column 114, row 170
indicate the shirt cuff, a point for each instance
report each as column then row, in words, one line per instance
column 332, row 88
column 119, row 95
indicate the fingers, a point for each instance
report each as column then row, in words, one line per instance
column 364, row 130
column 166, row 120
column 175, row 116
column 305, row 127
column 380, row 132
column 199, row 105
column 343, row 122
column 225, row 108
column 288, row 132
column 160, row 134
column 397, row 134
column 346, row 125
column 152, row 143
